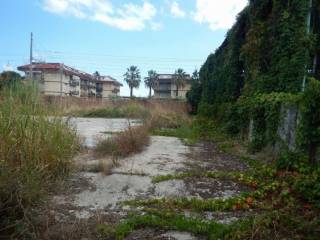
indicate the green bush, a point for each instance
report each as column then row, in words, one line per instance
column 308, row 186
column 309, row 125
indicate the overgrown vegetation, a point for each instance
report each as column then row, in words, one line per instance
column 256, row 227
column 125, row 111
column 267, row 50
column 131, row 141
column 286, row 204
column 36, row 150
column 260, row 72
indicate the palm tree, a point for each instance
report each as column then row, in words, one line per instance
column 151, row 81
column 132, row 78
column 96, row 75
column 195, row 76
column 179, row 79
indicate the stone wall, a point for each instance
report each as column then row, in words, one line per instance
column 287, row 129
column 286, row 132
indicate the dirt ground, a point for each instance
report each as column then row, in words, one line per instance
column 90, row 197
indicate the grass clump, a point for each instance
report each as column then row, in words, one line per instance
column 102, row 113
column 35, row 151
column 131, row 141
column 245, row 178
column 196, row 204
column 171, row 221
column 130, row 110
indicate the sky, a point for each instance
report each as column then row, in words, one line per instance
column 111, row 35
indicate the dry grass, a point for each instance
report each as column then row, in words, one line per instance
column 131, row 141
column 70, row 105
column 35, row 151
column 106, row 165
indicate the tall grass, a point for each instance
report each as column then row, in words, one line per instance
column 131, row 141
column 125, row 111
column 35, row 151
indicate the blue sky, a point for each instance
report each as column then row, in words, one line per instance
column 111, row 35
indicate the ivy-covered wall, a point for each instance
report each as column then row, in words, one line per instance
column 263, row 64
column 267, row 50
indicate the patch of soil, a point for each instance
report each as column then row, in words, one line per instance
column 75, row 184
column 208, row 157
column 207, row 188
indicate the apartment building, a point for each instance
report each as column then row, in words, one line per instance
column 107, row 87
column 57, row 79
column 166, row 88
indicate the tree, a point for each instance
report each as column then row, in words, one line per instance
column 9, row 78
column 194, row 95
column 96, row 75
column 151, row 81
column 132, row 78
column 179, row 79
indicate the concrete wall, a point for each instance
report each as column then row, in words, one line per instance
column 287, row 129
column 52, row 84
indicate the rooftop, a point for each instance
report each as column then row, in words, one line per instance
column 68, row 71
column 168, row 77
column 108, row 79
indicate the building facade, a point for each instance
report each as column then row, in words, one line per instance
column 107, row 87
column 56, row 79
column 166, row 88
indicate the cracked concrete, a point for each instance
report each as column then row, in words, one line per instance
column 90, row 192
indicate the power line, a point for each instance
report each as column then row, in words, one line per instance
column 118, row 56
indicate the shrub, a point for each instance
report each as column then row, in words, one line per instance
column 309, row 125
column 131, row 141
column 167, row 120
column 308, row 186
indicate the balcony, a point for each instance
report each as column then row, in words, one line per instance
column 163, row 87
column 74, row 83
column 99, row 89
column 74, row 93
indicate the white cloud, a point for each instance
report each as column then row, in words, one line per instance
column 128, row 17
column 7, row 67
column 219, row 14
column 176, row 11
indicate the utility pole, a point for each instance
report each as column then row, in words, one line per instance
column 308, row 33
column 61, row 75
column 31, row 56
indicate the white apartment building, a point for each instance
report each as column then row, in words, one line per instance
column 166, row 89
column 57, row 79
